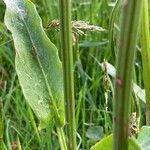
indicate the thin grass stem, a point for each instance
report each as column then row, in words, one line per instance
column 1, row 125
column 145, row 45
column 111, row 27
column 62, row 139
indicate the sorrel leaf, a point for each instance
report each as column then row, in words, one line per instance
column 106, row 144
column 144, row 137
column 37, row 63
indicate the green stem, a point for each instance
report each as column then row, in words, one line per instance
column 131, row 13
column 18, row 143
column 48, row 139
column 33, row 123
column 62, row 139
column 83, row 121
column 111, row 28
column 145, row 44
column 67, row 59
column 1, row 125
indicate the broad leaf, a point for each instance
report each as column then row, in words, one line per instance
column 144, row 138
column 106, row 144
column 37, row 63
column 95, row 132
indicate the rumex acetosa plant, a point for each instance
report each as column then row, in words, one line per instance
column 130, row 23
column 38, row 66
column 41, row 72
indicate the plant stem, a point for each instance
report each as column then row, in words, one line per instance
column 145, row 45
column 62, row 140
column 67, row 59
column 18, row 143
column 33, row 123
column 131, row 13
column 48, row 138
column 1, row 126
column 111, row 27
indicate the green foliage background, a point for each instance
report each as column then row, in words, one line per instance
column 94, row 88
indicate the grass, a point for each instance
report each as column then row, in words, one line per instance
column 146, row 55
column 93, row 86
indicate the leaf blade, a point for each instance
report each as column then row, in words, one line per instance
column 37, row 63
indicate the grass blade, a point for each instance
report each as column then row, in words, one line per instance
column 145, row 45
column 1, row 125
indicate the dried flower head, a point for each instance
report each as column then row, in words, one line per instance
column 77, row 26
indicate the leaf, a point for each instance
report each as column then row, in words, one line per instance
column 95, row 132
column 140, row 93
column 144, row 138
column 37, row 63
column 106, row 144
column 133, row 144
column 92, row 44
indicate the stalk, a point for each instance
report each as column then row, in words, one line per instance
column 145, row 45
column 18, row 143
column 1, row 126
column 62, row 139
column 67, row 59
column 111, row 27
column 48, row 138
column 34, row 124
column 131, row 13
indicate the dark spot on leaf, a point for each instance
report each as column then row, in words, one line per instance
column 34, row 50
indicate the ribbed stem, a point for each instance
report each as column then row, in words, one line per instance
column 145, row 44
column 131, row 13
column 111, row 27
column 62, row 140
column 1, row 126
column 67, row 57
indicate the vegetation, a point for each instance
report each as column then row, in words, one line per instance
column 74, row 75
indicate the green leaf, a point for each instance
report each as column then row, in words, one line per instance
column 133, row 144
column 37, row 63
column 95, row 132
column 106, row 144
column 144, row 138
